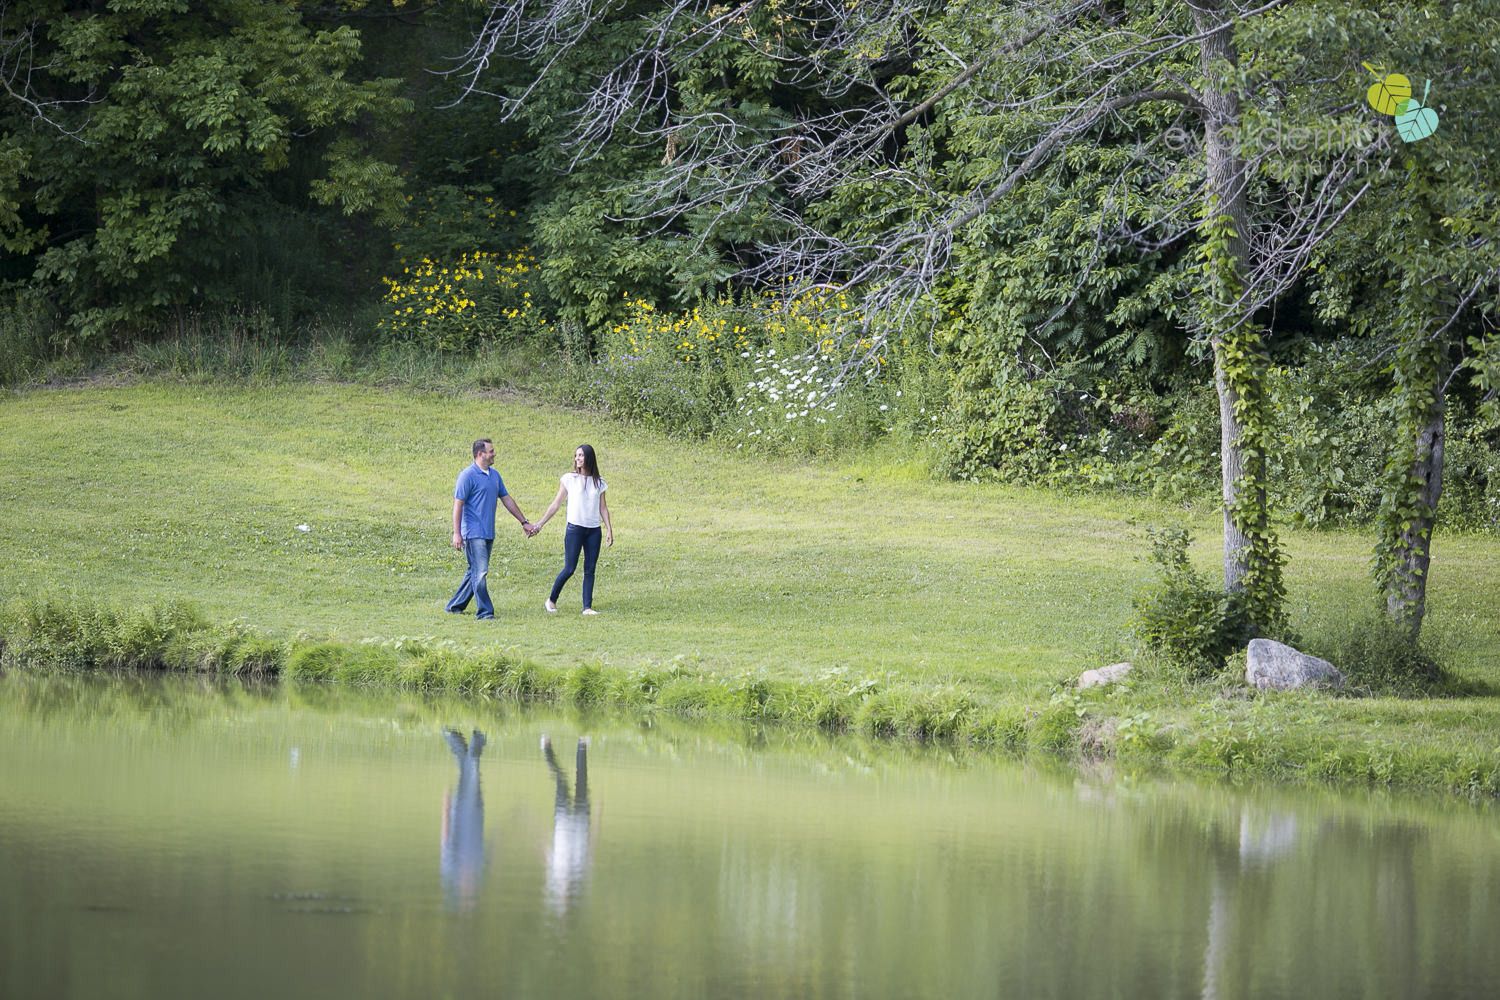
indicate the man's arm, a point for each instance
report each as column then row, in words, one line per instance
column 458, row 513
column 510, row 505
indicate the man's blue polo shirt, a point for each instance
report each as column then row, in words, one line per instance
column 481, row 492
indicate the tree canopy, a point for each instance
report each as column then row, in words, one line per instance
column 144, row 142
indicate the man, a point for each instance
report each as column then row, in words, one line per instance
column 475, row 495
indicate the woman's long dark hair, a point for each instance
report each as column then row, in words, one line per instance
column 590, row 463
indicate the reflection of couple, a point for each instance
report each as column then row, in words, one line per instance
column 462, row 857
column 463, row 823
column 571, row 854
column 479, row 490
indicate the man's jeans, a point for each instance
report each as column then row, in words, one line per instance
column 475, row 585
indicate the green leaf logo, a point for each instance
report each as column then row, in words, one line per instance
column 1414, row 121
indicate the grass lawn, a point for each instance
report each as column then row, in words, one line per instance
column 737, row 564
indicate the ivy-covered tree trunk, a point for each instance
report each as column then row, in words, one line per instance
column 1406, row 582
column 1251, row 564
column 1409, row 509
column 1234, row 473
column 1423, row 305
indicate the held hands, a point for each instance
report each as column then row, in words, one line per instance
column 531, row 529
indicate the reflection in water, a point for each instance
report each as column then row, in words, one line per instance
column 1264, row 837
column 148, row 827
column 571, row 854
column 463, row 824
column 1284, row 864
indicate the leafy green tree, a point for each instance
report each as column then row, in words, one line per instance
column 676, row 135
column 142, row 142
column 1415, row 269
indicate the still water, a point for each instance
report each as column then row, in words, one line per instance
column 181, row 838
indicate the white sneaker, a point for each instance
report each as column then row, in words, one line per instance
column 549, row 605
column 590, row 611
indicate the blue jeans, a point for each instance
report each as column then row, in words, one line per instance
column 579, row 539
column 477, row 551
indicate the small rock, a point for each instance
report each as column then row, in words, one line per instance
column 1277, row 666
column 1104, row 675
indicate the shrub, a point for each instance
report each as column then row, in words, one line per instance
column 1192, row 624
column 480, row 297
column 26, row 329
column 172, row 636
column 348, row 662
column 1471, row 473
column 765, row 374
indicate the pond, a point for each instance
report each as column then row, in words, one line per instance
column 177, row 837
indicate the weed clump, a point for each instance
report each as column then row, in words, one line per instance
column 349, row 662
column 1184, row 618
column 1378, row 656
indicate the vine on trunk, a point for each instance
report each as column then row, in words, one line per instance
column 1240, row 360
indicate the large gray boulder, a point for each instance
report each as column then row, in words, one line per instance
column 1104, row 675
column 1277, row 666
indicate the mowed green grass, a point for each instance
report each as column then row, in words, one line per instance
column 136, row 494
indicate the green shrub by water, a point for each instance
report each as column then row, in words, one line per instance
column 1191, row 622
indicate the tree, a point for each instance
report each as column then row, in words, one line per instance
column 1416, row 269
column 143, row 142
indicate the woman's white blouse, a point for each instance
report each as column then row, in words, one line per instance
column 583, row 499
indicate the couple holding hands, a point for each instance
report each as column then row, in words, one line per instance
column 479, row 490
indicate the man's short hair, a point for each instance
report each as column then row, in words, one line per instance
column 479, row 446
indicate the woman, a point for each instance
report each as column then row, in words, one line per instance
column 584, row 491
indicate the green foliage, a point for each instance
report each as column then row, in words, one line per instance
column 170, row 129
column 1379, row 656
column 1005, row 420
column 448, row 220
column 1190, row 622
column 764, row 375
column 26, row 328
column 1056, row 727
column 338, row 661
column 1472, row 497
column 910, row 713
column 55, row 632
column 1330, row 437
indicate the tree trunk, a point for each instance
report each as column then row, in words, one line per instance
column 1406, row 586
column 1232, row 467
column 1224, row 193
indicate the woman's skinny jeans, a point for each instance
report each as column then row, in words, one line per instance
column 579, row 539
